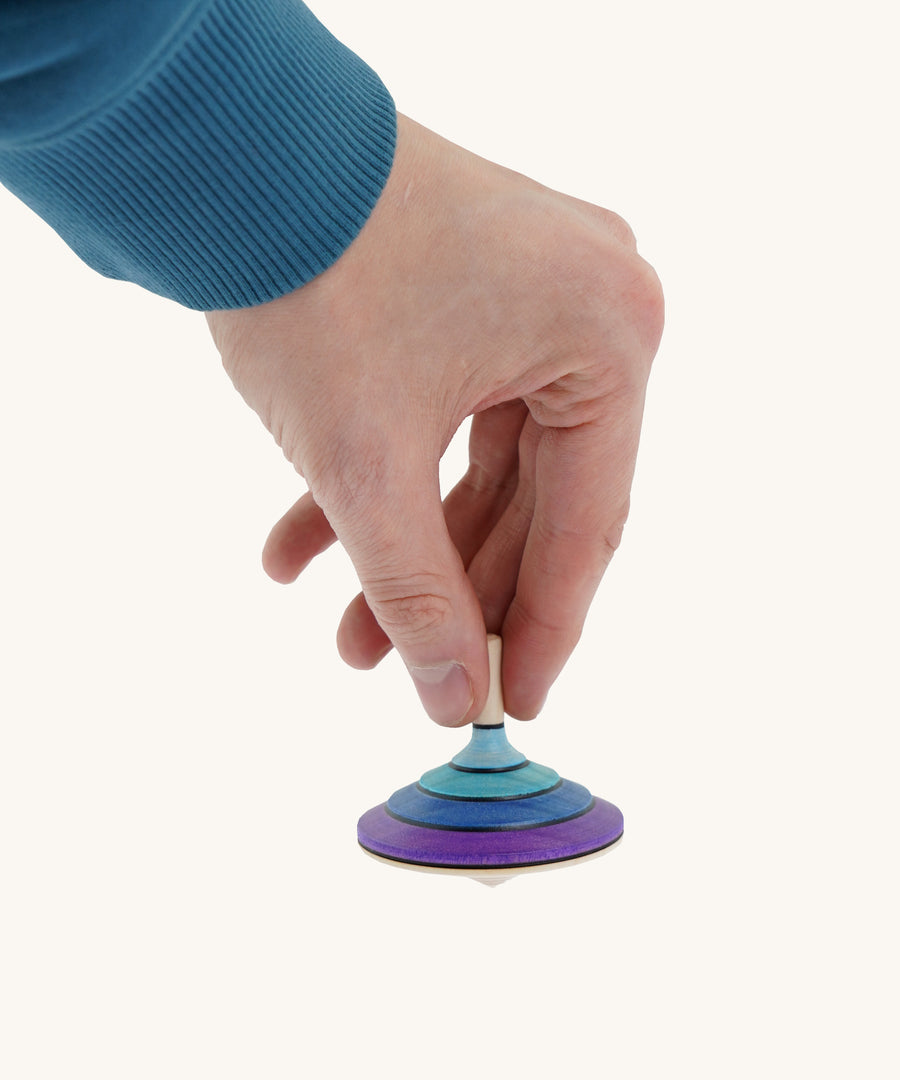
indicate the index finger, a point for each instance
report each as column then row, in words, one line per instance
column 583, row 478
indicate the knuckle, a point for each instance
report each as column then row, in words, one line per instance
column 610, row 537
column 608, row 545
column 568, row 401
column 648, row 305
column 412, row 615
column 534, row 625
column 587, row 541
column 620, row 229
column 625, row 313
column 348, row 473
column 613, row 304
column 628, row 290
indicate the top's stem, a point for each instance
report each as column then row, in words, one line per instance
column 492, row 713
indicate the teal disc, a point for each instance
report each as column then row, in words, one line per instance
column 450, row 780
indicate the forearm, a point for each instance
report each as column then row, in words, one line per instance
column 232, row 158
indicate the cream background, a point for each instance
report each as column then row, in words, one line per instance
column 183, row 757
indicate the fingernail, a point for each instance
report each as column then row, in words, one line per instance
column 445, row 690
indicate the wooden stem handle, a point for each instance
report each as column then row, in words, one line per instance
column 492, row 713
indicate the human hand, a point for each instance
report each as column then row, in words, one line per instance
column 471, row 290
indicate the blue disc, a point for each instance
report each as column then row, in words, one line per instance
column 416, row 806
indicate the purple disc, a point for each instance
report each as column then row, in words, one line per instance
column 384, row 835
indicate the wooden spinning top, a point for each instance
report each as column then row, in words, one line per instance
column 489, row 807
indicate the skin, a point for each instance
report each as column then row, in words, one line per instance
column 471, row 290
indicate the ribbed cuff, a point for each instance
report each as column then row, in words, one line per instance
column 240, row 166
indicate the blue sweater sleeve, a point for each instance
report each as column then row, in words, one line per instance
column 217, row 152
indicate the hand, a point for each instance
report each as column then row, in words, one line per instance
column 471, row 290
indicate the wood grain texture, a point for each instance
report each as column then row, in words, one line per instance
column 383, row 835
column 415, row 806
column 492, row 713
column 532, row 779
column 489, row 807
column 488, row 750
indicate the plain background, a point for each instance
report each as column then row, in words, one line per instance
column 183, row 757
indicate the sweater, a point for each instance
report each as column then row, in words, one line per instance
column 220, row 153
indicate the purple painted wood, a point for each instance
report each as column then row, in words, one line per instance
column 383, row 835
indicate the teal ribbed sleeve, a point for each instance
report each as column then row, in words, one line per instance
column 237, row 160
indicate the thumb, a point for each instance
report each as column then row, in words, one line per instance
column 413, row 579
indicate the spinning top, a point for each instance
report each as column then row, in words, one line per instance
column 490, row 807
